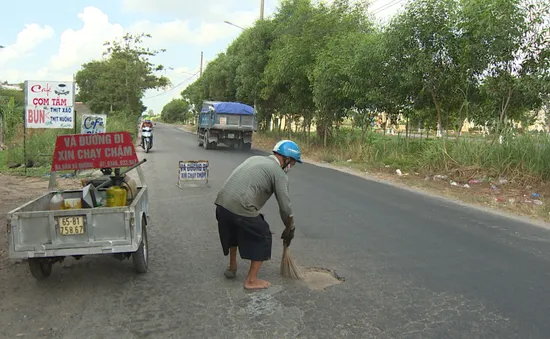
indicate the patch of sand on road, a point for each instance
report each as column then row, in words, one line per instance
column 319, row 279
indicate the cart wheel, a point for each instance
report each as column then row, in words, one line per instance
column 141, row 256
column 246, row 146
column 40, row 268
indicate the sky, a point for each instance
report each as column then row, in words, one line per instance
column 50, row 42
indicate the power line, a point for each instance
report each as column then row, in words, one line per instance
column 373, row 2
column 178, row 85
column 386, row 6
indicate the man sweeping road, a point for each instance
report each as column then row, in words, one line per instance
column 238, row 204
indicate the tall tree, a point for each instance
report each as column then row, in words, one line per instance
column 119, row 81
column 423, row 39
column 176, row 110
column 252, row 58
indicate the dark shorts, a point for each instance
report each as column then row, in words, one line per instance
column 250, row 234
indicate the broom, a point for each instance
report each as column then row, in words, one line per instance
column 288, row 267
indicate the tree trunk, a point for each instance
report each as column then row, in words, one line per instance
column 385, row 125
column 290, row 129
column 2, row 128
column 308, row 138
column 447, row 124
column 504, row 109
column 438, row 109
column 364, row 129
column 460, row 125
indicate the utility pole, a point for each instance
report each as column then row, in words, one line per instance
column 262, row 9
column 200, row 72
column 196, row 115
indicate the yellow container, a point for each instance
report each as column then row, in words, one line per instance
column 73, row 203
column 116, row 196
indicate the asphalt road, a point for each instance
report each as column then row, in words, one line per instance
column 415, row 267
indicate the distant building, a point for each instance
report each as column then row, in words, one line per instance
column 6, row 85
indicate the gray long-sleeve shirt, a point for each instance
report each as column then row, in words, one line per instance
column 251, row 184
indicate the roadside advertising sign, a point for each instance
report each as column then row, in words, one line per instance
column 49, row 104
column 93, row 123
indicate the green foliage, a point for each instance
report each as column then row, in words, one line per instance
column 438, row 62
column 176, row 110
column 18, row 96
column 119, row 81
column 11, row 115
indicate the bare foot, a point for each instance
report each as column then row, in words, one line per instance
column 257, row 284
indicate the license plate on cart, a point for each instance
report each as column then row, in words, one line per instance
column 230, row 135
column 73, row 225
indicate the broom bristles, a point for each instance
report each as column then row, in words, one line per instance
column 288, row 267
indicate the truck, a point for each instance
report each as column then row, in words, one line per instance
column 228, row 123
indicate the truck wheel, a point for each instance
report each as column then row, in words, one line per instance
column 247, row 146
column 199, row 139
column 208, row 145
column 140, row 257
column 40, row 268
column 205, row 141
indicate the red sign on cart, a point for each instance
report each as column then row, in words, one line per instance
column 88, row 151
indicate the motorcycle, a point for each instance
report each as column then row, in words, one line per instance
column 147, row 138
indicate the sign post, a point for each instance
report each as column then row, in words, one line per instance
column 193, row 170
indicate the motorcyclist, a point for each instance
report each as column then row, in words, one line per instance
column 146, row 123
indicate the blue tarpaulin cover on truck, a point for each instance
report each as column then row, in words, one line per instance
column 231, row 108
